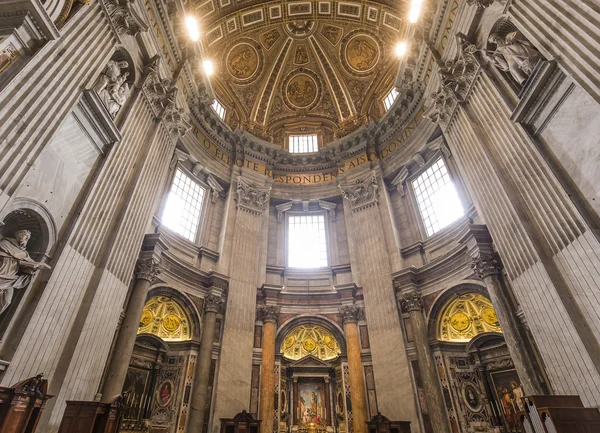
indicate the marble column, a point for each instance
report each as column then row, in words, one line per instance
column 212, row 306
column 146, row 272
column 486, row 265
column 269, row 315
column 351, row 315
column 413, row 305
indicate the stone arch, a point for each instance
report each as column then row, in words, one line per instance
column 304, row 319
column 185, row 302
column 26, row 214
column 443, row 298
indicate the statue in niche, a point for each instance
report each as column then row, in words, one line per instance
column 514, row 54
column 16, row 266
column 112, row 87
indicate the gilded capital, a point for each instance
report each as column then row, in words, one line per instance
column 352, row 313
column 411, row 301
column 213, row 303
column 252, row 197
column 362, row 193
column 486, row 265
column 147, row 269
column 269, row 313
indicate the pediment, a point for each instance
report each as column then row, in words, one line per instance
column 310, row 361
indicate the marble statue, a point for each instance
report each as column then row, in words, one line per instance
column 16, row 266
column 112, row 86
column 514, row 54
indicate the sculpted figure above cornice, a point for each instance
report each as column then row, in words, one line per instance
column 124, row 17
column 362, row 193
column 252, row 197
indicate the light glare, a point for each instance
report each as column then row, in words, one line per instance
column 208, row 67
column 401, row 48
column 192, row 28
column 415, row 10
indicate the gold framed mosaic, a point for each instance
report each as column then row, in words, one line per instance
column 166, row 318
column 312, row 340
column 301, row 89
column 360, row 53
column 244, row 61
column 466, row 316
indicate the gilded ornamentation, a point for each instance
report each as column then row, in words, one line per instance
column 124, row 17
column 251, row 197
column 411, row 302
column 269, row 38
column 165, row 317
column 312, row 340
column 332, row 34
column 362, row 53
column 485, row 265
column 466, row 316
column 243, row 62
column 269, row 313
column 300, row 90
column 213, row 303
column 147, row 269
column 301, row 57
column 351, row 313
column 362, row 193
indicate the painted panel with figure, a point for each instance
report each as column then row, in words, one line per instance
column 311, row 403
column 136, row 392
column 508, row 392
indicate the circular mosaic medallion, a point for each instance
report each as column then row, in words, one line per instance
column 289, row 342
column 310, row 344
column 301, row 89
column 489, row 316
column 459, row 321
column 471, row 397
column 171, row 322
column 329, row 341
column 146, row 318
column 243, row 61
column 360, row 53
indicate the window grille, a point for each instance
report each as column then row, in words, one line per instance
column 307, row 243
column 303, row 143
column 184, row 206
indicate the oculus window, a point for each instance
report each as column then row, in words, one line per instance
column 390, row 98
column 437, row 198
column 303, row 143
column 219, row 109
column 184, row 206
column 307, row 244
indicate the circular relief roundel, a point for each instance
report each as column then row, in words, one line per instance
column 459, row 321
column 362, row 53
column 146, row 318
column 171, row 322
column 310, row 344
column 301, row 90
column 242, row 61
column 489, row 316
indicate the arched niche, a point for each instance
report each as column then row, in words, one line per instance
column 188, row 305
column 310, row 339
column 466, row 316
column 331, row 327
column 166, row 318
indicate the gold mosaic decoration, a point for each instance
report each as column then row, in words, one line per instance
column 466, row 316
column 165, row 318
column 312, row 340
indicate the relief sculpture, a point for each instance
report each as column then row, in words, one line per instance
column 514, row 54
column 112, row 87
column 362, row 53
column 242, row 61
column 301, row 90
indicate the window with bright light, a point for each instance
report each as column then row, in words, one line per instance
column 307, row 244
column 437, row 198
column 390, row 98
column 184, row 206
column 303, row 143
column 219, row 109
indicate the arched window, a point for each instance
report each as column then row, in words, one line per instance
column 466, row 316
column 312, row 340
column 166, row 318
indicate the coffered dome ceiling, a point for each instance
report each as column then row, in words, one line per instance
column 306, row 67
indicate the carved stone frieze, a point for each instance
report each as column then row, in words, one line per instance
column 252, row 197
column 147, row 269
column 213, row 303
column 411, row 301
column 352, row 313
column 269, row 313
column 486, row 265
column 362, row 193
column 124, row 17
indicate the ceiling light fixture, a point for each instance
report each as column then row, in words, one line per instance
column 401, row 48
column 208, row 67
column 415, row 10
column 192, row 28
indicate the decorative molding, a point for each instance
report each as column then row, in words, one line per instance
column 215, row 187
column 282, row 209
column 352, row 313
column 411, row 301
column 124, row 17
column 213, row 303
column 329, row 207
column 147, row 269
column 400, row 180
column 362, row 193
column 251, row 197
column 486, row 265
column 269, row 313
column 485, row 3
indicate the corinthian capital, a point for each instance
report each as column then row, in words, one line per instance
column 213, row 303
column 411, row 301
column 269, row 313
column 352, row 313
column 147, row 269
column 486, row 265
column 362, row 193
column 251, row 197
